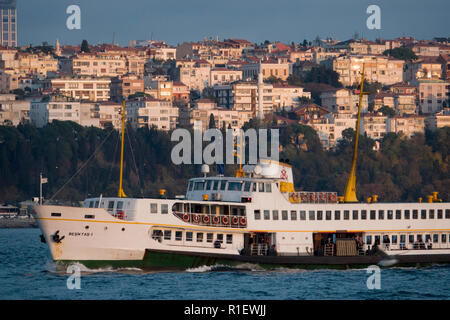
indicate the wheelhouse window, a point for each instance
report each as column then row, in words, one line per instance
column 215, row 185
column 234, row 186
column 164, row 208
column 275, row 214
column 190, row 186
column 199, row 185
column 266, row 214
column 223, row 184
column 261, row 186
column 208, row 184
column 110, row 205
column 284, row 214
column 268, row 187
column 257, row 214
column 247, row 185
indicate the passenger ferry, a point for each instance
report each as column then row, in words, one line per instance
column 253, row 217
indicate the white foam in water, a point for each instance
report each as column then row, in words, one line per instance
column 201, row 269
column 220, row 267
column 85, row 269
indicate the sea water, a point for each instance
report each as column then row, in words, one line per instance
column 27, row 272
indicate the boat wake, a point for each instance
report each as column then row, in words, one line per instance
column 222, row 268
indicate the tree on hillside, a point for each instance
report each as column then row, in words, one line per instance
column 401, row 53
column 387, row 111
column 84, row 46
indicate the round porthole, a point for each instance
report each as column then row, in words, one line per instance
column 106, row 228
column 123, row 229
column 87, row 227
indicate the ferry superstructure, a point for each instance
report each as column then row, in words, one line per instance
column 255, row 216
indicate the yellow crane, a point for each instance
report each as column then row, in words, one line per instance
column 350, row 190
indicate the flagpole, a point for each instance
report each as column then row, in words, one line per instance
column 40, row 188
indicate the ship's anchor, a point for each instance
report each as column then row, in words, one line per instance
column 57, row 238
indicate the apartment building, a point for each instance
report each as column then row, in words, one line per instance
column 432, row 94
column 406, row 125
column 405, row 104
column 180, row 93
column 124, row 86
column 424, row 68
column 96, row 64
column 341, row 122
column 373, row 125
column 382, row 99
column 8, row 82
column 198, row 117
column 81, row 87
column 244, row 96
column 268, row 68
column 343, row 101
column 24, row 64
column 152, row 112
column 101, row 114
column 54, row 107
column 384, row 70
column 223, row 76
column 12, row 111
column 194, row 73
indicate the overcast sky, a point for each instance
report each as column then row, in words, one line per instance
column 176, row 21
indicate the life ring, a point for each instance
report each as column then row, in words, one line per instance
column 312, row 197
column 205, row 219
column 332, row 197
column 225, row 220
column 235, row 220
column 196, row 218
column 243, row 221
column 120, row 214
column 304, row 197
column 185, row 217
column 323, row 196
column 215, row 219
column 295, row 197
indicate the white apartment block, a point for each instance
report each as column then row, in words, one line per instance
column 152, row 113
column 373, row 125
column 405, row 104
column 13, row 112
column 223, row 76
column 269, row 68
column 432, row 94
column 55, row 107
column 384, row 70
column 99, row 65
column 82, row 87
column 194, row 73
column 406, row 125
column 198, row 117
column 341, row 122
column 343, row 101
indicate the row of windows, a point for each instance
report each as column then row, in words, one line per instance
column 395, row 239
column 232, row 186
column 189, row 236
column 352, row 215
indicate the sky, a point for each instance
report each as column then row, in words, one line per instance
column 176, row 21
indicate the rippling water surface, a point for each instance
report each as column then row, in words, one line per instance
column 26, row 272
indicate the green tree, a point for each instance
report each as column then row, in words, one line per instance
column 401, row 53
column 84, row 46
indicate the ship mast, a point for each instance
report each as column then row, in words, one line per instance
column 122, row 194
column 350, row 190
